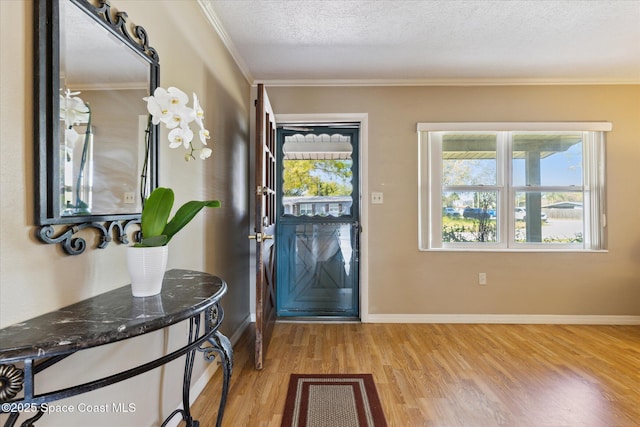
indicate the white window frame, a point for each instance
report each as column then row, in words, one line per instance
column 430, row 186
column 308, row 209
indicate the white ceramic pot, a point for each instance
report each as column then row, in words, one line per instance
column 146, row 269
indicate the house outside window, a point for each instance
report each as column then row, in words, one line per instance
column 512, row 186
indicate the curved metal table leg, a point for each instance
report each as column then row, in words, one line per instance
column 221, row 345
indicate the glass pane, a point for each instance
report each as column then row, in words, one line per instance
column 317, row 175
column 319, row 269
column 550, row 217
column 547, row 159
column 102, row 84
column 77, row 170
column 468, row 159
column 469, row 216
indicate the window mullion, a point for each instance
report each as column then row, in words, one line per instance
column 504, row 181
column 435, row 193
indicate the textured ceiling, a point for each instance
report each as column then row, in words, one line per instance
column 432, row 41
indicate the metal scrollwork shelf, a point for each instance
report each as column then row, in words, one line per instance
column 74, row 245
column 30, row 347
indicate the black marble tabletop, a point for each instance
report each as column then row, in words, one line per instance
column 110, row 317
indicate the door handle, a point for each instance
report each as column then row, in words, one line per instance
column 259, row 237
column 263, row 191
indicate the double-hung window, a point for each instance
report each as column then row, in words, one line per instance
column 512, row 186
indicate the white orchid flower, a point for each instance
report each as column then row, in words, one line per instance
column 177, row 97
column 199, row 112
column 73, row 110
column 199, row 117
column 169, row 106
column 158, row 110
column 180, row 136
column 164, row 104
column 180, row 116
column 205, row 153
column 170, row 98
column 204, row 135
column 71, row 136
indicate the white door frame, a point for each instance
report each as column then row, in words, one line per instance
column 363, row 119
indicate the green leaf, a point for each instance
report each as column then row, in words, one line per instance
column 160, row 240
column 156, row 212
column 185, row 214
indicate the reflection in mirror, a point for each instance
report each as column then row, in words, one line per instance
column 103, row 118
column 92, row 123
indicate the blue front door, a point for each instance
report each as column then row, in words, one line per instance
column 318, row 222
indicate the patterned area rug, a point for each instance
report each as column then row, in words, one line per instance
column 332, row 401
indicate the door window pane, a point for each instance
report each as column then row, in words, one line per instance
column 317, row 175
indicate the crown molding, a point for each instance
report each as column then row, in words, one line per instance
column 215, row 22
column 444, row 82
column 226, row 40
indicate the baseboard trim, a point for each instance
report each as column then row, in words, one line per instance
column 505, row 319
column 235, row 337
column 198, row 386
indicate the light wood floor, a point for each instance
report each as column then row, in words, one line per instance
column 448, row 375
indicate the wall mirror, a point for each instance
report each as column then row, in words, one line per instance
column 96, row 155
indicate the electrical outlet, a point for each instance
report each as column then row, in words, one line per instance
column 482, row 278
column 376, row 198
column 129, row 197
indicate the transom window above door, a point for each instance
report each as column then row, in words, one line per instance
column 512, row 186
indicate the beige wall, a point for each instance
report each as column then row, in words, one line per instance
column 403, row 280
column 37, row 278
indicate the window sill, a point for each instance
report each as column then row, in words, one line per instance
column 523, row 250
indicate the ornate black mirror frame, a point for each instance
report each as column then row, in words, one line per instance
column 47, row 125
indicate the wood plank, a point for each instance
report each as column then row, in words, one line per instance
column 448, row 375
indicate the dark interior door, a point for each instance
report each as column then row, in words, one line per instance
column 265, row 222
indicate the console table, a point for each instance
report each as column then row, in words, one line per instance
column 30, row 347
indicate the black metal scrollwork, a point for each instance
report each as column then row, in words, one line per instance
column 118, row 23
column 74, row 245
column 213, row 314
column 11, row 381
column 220, row 345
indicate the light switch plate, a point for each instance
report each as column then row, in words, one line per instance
column 376, row 198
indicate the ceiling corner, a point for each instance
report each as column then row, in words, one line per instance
column 211, row 16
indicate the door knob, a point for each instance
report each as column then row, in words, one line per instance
column 259, row 237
